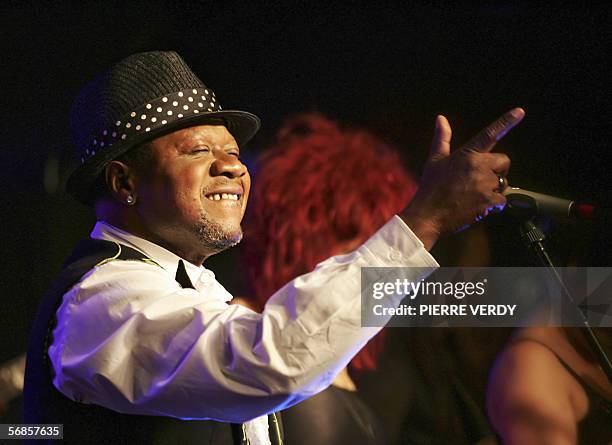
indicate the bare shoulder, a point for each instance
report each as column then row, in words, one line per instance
column 531, row 395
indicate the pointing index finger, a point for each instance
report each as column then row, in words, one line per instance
column 485, row 140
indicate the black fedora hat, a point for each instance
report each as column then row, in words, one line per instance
column 140, row 98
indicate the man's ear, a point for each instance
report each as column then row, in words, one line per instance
column 121, row 181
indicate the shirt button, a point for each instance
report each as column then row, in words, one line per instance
column 207, row 276
column 394, row 255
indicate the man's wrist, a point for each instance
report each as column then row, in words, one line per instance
column 424, row 227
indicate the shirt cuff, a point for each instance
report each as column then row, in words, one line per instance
column 395, row 245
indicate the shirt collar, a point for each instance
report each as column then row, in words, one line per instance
column 166, row 259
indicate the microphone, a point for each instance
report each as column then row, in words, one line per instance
column 527, row 204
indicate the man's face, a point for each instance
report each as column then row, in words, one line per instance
column 194, row 198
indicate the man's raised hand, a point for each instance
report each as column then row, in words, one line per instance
column 462, row 186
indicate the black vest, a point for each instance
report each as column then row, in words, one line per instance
column 93, row 424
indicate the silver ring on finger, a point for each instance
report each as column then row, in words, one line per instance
column 502, row 183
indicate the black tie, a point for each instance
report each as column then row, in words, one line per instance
column 181, row 276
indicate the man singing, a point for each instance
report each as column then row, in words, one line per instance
column 135, row 341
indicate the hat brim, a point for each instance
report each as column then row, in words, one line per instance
column 241, row 124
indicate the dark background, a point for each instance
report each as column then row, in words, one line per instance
column 388, row 68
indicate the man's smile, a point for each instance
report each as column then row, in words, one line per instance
column 225, row 193
column 223, row 196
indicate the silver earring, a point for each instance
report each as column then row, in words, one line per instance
column 130, row 200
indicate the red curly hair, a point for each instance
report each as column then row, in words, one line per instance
column 319, row 191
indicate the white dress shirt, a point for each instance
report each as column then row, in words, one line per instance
column 129, row 338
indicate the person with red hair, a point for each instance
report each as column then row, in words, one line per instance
column 320, row 191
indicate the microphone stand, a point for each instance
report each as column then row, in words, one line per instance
column 533, row 238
